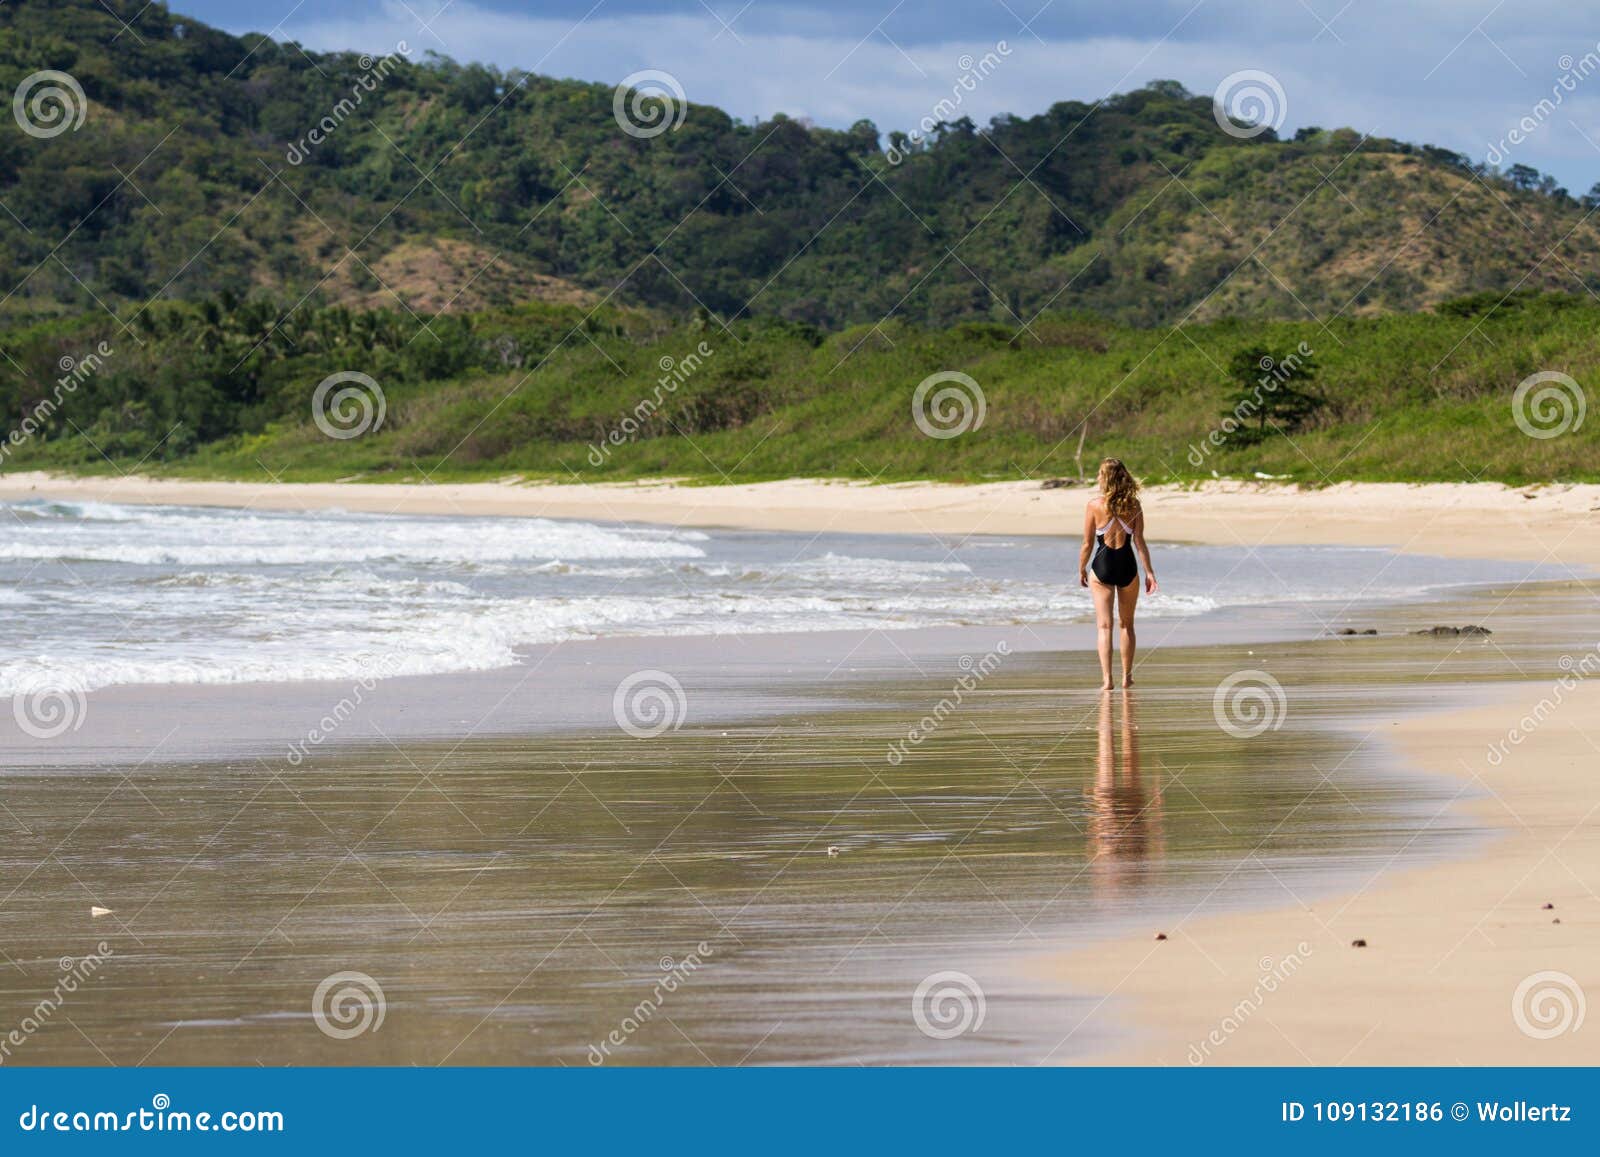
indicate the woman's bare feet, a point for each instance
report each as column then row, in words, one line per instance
column 1107, row 686
column 1126, row 682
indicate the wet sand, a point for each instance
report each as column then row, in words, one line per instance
column 570, row 687
column 1484, row 961
column 520, row 899
column 1469, row 963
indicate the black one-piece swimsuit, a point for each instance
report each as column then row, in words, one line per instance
column 1115, row 566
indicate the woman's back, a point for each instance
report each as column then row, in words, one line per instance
column 1113, row 530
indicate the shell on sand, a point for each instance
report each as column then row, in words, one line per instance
column 97, row 911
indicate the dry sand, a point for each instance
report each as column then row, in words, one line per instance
column 1463, row 520
column 1447, row 945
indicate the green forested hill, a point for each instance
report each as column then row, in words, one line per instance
column 458, row 186
column 190, row 281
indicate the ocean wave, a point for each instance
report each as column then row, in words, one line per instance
column 177, row 595
column 206, row 538
column 491, row 633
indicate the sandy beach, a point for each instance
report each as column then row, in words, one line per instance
column 1447, row 944
column 1458, row 520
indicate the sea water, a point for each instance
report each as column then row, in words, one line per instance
column 99, row 594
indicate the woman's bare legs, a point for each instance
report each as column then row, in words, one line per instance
column 1127, row 599
column 1103, row 596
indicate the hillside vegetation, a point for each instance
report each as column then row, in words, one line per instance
column 478, row 273
column 448, row 185
column 558, row 391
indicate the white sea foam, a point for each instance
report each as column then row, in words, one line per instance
column 165, row 536
column 98, row 594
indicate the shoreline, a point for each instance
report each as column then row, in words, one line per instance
column 1448, row 948
column 474, row 858
column 1456, row 520
column 1448, row 943
column 566, row 688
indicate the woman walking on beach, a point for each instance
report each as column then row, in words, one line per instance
column 1113, row 529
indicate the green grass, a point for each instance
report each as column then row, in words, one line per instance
column 1408, row 398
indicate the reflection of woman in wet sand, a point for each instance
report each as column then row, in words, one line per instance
column 1125, row 824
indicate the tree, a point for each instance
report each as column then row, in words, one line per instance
column 1523, row 176
column 1168, row 88
column 1269, row 394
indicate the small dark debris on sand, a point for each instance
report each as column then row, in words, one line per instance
column 1557, row 920
column 1358, row 943
column 1161, row 935
column 1548, row 906
column 1353, row 631
column 1470, row 629
column 1057, row 483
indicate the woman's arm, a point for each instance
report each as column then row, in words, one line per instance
column 1088, row 545
column 1144, row 554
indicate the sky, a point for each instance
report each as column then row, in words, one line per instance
column 1469, row 75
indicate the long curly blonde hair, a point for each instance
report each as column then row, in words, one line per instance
column 1121, row 489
